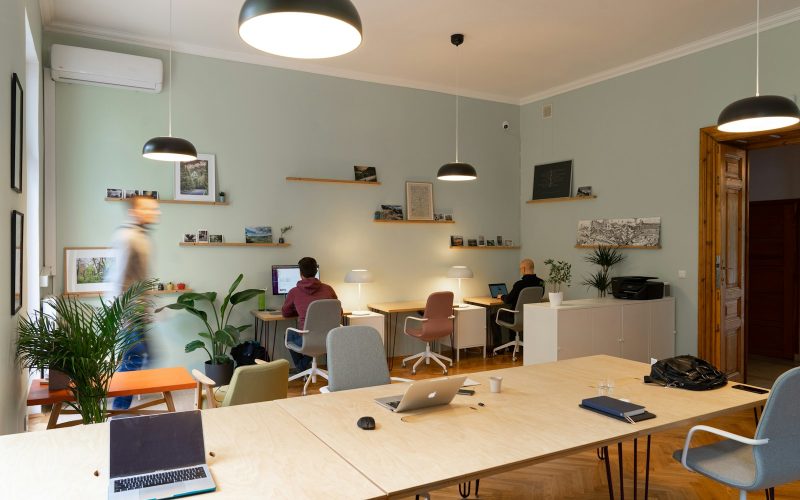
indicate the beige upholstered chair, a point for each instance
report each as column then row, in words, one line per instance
column 250, row 384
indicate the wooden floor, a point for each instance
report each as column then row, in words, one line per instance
column 580, row 476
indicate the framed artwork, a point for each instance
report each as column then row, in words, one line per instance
column 365, row 174
column 257, row 234
column 17, row 255
column 419, row 200
column 87, row 270
column 17, row 122
column 552, row 180
column 195, row 180
column 634, row 232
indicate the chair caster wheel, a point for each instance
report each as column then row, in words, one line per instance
column 413, row 372
column 444, row 372
column 403, row 364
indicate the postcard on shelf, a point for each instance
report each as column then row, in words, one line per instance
column 365, row 174
column 258, row 234
column 392, row 212
column 456, row 241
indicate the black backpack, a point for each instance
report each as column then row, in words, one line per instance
column 686, row 372
column 246, row 353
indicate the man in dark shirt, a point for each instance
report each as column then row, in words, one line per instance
column 528, row 279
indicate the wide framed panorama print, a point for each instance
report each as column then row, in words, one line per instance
column 87, row 270
column 195, row 180
column 17, row 124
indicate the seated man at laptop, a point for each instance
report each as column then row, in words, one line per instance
column 308, row 289
column 529, row 278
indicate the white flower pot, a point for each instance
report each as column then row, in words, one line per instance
column 556, row 298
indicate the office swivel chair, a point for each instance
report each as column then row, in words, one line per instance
column 322, row 316
column 356, row 359
column 250, row 384
column 770, row 459
column 528, row 295
column 437, row 322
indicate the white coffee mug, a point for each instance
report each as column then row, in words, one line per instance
column 494, row 383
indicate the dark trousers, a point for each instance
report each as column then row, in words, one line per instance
column 301, row 361
column 132, row 361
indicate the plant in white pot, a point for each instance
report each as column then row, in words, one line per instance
column 560, row 273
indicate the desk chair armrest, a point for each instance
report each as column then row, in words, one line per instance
column 400, row 379
column 204, row 383
column 405, row 323
column 286, row 335
column 497, row 315
column 718, row 432
column 452, row 316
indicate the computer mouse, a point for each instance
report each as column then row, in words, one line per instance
column 366, row 423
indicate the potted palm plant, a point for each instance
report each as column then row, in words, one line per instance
column 605, row 257
column 560, row 273
column 86, row 343
column 219, row 336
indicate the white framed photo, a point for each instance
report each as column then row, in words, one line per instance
column 149, row 193
column 202, row 236
column 88, row 269
column 189, row 238
column 419, row 200
column 115, row 193
column 195, row 180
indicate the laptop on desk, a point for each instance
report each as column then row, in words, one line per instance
column 158, row 456
column 496, row 289
column 423, row 394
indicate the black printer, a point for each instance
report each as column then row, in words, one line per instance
column 637, row 288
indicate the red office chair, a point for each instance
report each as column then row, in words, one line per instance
column 437, row 322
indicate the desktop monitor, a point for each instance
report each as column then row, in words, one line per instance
column 285, row 277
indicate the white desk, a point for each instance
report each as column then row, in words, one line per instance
column 469, row 329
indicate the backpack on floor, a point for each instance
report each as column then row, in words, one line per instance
column 686, row 372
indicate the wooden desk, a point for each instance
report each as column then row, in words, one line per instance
column 538, row 405
column 266, row 323
column 391, row 312
column 484, row 301
column 159, row 380
column 260, row 451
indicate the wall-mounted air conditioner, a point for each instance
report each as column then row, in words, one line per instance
column 105, row 69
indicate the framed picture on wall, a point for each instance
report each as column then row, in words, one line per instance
column 195, row 180
column 419, row 200
column 17, row 255
column 17, row 122
column 87, row 270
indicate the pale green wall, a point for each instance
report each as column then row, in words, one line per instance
column 634, row 139
column 12, row 60
column 264, row 124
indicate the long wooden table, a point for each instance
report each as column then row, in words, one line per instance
column 158, row 380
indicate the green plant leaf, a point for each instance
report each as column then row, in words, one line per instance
column 229, row 335
column 243, row 328
column 235, row 284
column 205, row 335
column 245, row 295
column 222, row 359
column 194, row 345
column 191, row 310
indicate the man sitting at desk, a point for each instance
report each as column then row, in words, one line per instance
column 308, row 290
column 528, row 279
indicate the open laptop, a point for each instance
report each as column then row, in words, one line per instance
column 496, row 289
column 423, row 394
column 158, row 456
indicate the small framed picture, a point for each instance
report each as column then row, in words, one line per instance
column 258, row 234
column 489, row 243
column 456, row 241
column 202, row 236
column 190, row 238
column 130, row 193
column 419, row 200
column 584, row 191
column 499, row 241
column 115, row 194
column 365, row 174
column 472, row 243
column 149, row 194
column 88, row 269
column 509, row 243
column 481, row 241
column 215, row 238
column 195, row 180
column 392, row 212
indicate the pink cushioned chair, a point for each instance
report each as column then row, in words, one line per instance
column 437, row 322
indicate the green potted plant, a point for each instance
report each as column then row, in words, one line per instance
column 284, row 230
column 560, row 273
column 605, row 257
column 219, row 336
column 84, row 342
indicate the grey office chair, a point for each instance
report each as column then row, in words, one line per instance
column 356, row 359
column 770, row 459
column 528, row 295
column 322, row 316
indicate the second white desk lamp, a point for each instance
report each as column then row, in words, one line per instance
column 459, row 273
column 359, row 276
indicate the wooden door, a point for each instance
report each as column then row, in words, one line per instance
column 772, row 319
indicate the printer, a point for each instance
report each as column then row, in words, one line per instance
column 637, row 288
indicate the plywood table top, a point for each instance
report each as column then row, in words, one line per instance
column 484, row 301
column 398, row 307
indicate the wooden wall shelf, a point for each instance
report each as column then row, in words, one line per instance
column 404, row 221
column 332, row 181
column 178, row 202
column 151, row 292
column 566, row 198
column 234, row 244
column 462, row 247
column 658, row 247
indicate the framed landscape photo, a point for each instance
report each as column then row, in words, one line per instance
column 17, row 255
column 365, row 174
column 419, row 200
column 258, row 234
column 195, row 180
column 17, row 124
column 87, row 270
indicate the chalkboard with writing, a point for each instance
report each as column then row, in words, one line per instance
column 552, row 180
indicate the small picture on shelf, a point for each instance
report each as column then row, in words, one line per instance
column 202, row 235
column 472, row 243
column 189, row 238
column 150, row 194
column 114, row 193
column 392, row 212
column 481, row 241
column 499, row 241
column 215, row 238
column 509, row 243
column 448, row 216
column 258, row 234
column 584, row 191
column 130, row 193
column 365, row 174
column 489, row 243
column 456, row 241
column 442, row 216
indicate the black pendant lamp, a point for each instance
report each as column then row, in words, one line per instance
column 761, row 112
column 457, row 171
column 169, row 148
column 302, row 29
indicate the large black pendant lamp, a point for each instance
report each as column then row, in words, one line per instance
column 303, row 29
column 457, row 171
column 761, row 112
column 169, row 148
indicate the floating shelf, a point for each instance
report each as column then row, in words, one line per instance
column 178, row 202
column 150, row 292
column 657, row 247
column 462, row 247
column 405, row 221
column 566, row 198
column 333, row 181
column 236, row 244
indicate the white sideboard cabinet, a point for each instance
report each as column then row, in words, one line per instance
column 631, row 329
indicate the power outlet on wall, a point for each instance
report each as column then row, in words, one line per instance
column 547, row 111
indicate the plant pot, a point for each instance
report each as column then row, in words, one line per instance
column 281, row 240
column 58, row 380
column 221, row 374
column 556, row 298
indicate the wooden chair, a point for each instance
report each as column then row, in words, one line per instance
column 250, row 384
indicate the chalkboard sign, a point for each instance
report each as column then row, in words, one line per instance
column 552, row 180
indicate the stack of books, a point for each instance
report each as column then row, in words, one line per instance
column 621, row 410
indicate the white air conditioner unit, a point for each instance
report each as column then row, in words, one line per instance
column 105, row 69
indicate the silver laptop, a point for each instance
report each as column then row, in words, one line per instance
column 158, row 456
column 423, row 394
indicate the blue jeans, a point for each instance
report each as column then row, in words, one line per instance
column 301, row 361
column 132, row 360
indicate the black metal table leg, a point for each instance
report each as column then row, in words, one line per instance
column 635, row 484
column 608, row 473
column 647, row 470
column 621, row 485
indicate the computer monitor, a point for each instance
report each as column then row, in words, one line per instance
column 285, row 277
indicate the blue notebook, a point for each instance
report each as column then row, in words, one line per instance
column 613, row 407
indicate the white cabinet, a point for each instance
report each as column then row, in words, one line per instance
column 372, row 319
column 470, row 329
column 636, row 330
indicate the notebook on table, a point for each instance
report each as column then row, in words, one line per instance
column 423, row 394
column 616, row 408
column 496, row 289
column 158, row 456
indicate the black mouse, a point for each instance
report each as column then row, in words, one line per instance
column 366, row 423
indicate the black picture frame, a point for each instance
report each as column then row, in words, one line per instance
column 17, row 259
column 17, row 129
column 552, row 180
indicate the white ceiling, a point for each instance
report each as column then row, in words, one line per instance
column 515, row 51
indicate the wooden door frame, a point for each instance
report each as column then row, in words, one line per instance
column 708, row 332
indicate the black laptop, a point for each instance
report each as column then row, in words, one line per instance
column 496, row 289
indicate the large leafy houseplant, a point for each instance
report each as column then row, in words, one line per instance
column 219, row 336
column 86, row 343
column 605, row 257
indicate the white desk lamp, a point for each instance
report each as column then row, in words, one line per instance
column 459, row 273
column 359, row 276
